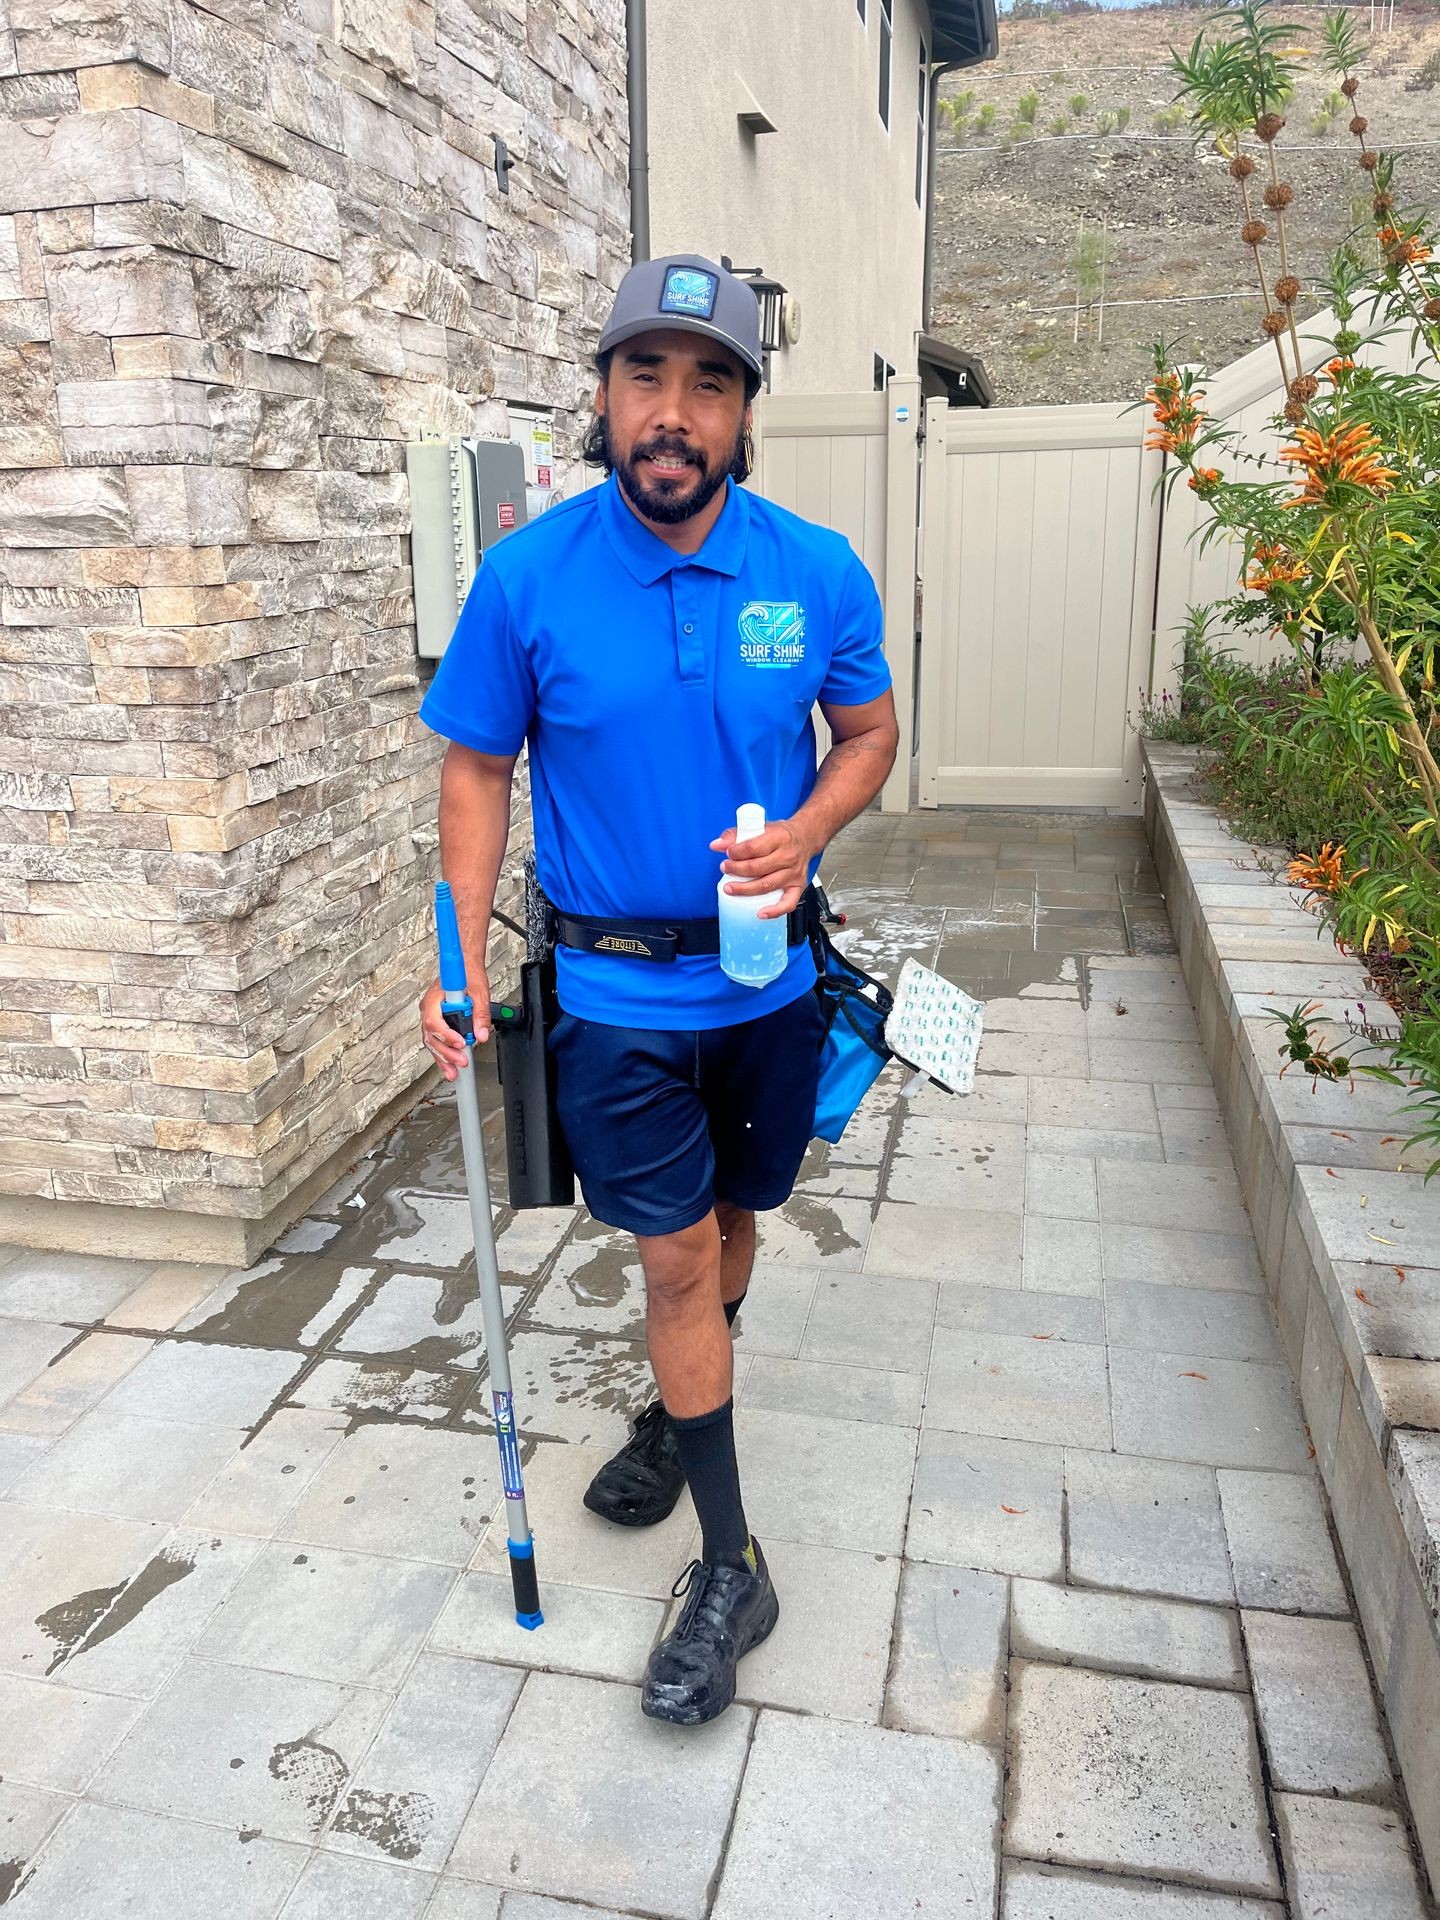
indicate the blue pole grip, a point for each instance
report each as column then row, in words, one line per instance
column 452, row 959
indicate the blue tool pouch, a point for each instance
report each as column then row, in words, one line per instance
column 853, row 1052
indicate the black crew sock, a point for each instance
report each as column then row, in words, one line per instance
column 707, row 1453
column 732, row 1307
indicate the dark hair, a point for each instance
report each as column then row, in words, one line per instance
column 595, row 447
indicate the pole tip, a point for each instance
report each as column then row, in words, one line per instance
column 530, row 1621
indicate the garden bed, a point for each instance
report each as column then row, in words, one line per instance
column 1348, row 1233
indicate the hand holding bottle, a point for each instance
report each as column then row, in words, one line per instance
column 774, row 858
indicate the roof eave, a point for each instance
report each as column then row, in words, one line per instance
column 964, row 32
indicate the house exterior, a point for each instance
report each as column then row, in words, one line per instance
column 247, row 252
column 780, row 135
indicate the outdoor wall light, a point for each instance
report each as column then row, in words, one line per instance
column 771, row 296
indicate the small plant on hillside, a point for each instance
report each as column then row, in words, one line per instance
column 1079, row 103
column 985, row 118
column 1170, row 119
column 1425, row 76
column 1026, row 107
column 1060, row 124
column 1122, row 119
column 1106, row 122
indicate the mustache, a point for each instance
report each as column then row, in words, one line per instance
column 668, row 449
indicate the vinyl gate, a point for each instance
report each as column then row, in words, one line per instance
column 1053, row 586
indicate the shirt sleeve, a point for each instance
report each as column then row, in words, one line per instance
column 483, row 693
column 858, row 669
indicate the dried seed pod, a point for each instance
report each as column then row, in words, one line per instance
column 1350, row 88
column 1273, row 323
column 1287, row 290
column 1383, row 202
column 1279, row 195
column 1268, row 126
column 1359, row 123
column 1431, row 309
column 1305, row 388
column 1253, row 232
column 1241, row 167
column 1294, row 413
column 1369, row 161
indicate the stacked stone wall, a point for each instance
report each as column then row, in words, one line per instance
column 246, row 253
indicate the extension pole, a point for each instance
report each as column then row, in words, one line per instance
column 458, row 1011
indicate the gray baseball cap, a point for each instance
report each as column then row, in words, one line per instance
column 686, row 291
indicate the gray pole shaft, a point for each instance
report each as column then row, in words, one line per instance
column 492, row 1307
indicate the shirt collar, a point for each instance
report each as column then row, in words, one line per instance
column 649, row 558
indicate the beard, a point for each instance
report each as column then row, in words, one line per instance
column 669, row 502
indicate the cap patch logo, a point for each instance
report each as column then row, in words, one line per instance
column 772, row 633
column 689, row 291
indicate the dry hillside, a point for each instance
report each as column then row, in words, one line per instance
column 1008, row 221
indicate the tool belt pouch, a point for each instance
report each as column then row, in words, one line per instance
column 536, row 1156
column 853, row 1052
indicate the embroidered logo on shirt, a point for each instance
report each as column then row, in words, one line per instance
column 772, row 633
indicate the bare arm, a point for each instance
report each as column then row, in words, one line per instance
column 474, row 827
column 851, row 774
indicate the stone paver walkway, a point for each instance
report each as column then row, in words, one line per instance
column 1063, row 1632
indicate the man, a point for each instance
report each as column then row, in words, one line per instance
column 660, row 641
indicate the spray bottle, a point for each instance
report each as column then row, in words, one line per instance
column 753, row 952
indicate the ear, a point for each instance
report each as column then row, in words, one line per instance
column 599, row 398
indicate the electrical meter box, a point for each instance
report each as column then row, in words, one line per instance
column 464, row 496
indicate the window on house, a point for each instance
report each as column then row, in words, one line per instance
column 922, row 126
column 887, row 36
column 884, row 373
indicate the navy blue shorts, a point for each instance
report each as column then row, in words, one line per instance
column 662, row 1125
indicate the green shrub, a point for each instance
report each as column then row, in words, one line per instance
column 1026, row 107
column 1079, row 103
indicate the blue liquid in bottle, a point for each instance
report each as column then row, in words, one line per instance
column 753, row 952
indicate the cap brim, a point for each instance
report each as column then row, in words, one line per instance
column 680, row 323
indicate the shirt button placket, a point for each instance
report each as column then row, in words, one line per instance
column 689, row 644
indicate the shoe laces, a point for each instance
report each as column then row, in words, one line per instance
column 695, row 1586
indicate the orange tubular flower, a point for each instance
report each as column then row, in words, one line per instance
column 1402, row 249
column 1324, row 874
column 1347, row 456
column 1337, row 370
column 1205, row 480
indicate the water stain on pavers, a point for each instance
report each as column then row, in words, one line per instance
column 68, row 1622
column 278, row 1304
column 316, row 1772
column 166, row 1568
column 823, row 1225
column 397, row 1823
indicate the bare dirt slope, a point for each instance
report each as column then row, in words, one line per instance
column 1007, row 221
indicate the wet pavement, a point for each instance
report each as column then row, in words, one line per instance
column 1063, row 1633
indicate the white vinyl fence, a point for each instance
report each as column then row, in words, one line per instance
column 1054, row 583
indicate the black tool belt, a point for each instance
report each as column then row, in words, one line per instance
column 662, row 939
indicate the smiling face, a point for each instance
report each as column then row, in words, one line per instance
column 673, row 413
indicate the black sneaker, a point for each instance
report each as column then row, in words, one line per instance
column 640, row 1486
column 727, row 1612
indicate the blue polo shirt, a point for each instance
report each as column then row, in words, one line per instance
column 658, row 692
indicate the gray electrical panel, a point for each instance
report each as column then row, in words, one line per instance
column 464, row 496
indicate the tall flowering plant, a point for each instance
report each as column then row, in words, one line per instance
column 1337, row 527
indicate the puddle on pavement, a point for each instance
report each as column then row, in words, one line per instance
column 602, row 1281
column 397, row 1823
column 283, row 1303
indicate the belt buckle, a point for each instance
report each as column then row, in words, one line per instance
column 662, row 946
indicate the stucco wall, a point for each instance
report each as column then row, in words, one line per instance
column 246, row 252
column 826, row 204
